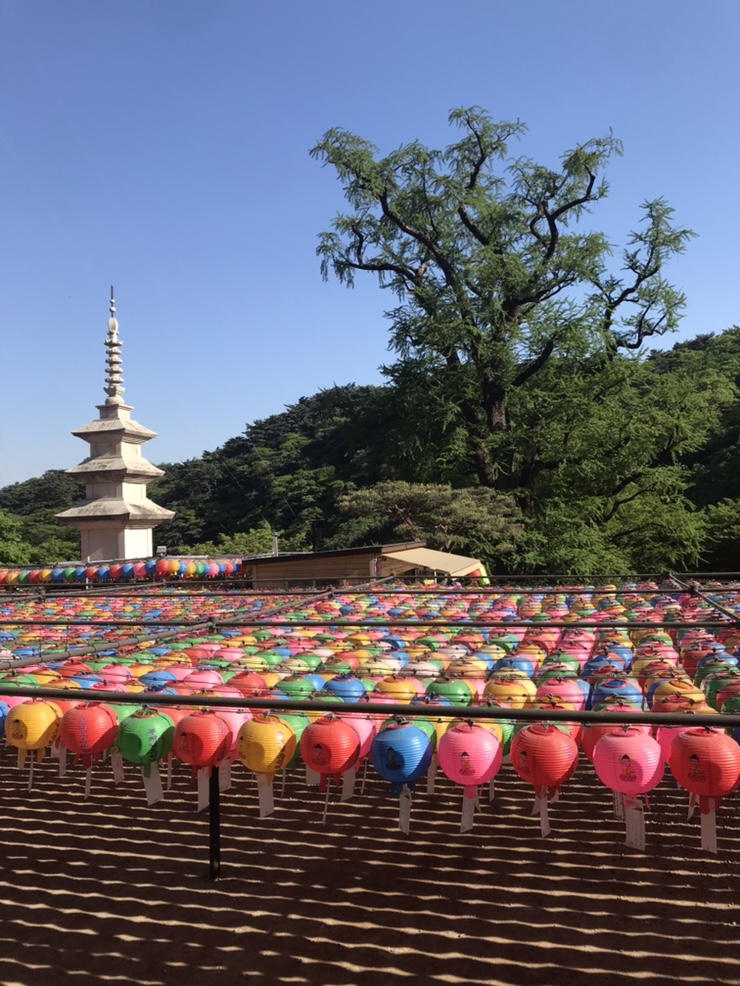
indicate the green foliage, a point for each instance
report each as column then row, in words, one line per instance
column 495, row 276
column 53, row 491
column 13, row 550
column 474, row 521
column 722, row 538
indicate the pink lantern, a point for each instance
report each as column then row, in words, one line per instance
column 469, row 755
column 629, row 761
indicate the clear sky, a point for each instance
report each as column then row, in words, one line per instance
column 162, row 146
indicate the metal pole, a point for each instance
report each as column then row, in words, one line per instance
column 214, row 826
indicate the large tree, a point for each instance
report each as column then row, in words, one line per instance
column 496, row 275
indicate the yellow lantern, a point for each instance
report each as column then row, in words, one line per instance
column 32, row 725
column 265, row 744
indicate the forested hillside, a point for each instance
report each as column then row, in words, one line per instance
column 637, row 468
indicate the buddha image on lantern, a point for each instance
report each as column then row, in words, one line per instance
column 626, row 771
column 392, row 760
column 319, row 757
column 523, row 762
column 695, row 771
column 466, row 766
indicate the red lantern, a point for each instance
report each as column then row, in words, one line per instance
column 202, row 739
column 546, row 757
column 87, row 730
column 329, row 747
column 705, row 762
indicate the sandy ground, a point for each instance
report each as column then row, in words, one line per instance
column 110, row 890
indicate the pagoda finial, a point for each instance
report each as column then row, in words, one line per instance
column 113, row 379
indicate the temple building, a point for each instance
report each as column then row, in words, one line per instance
column 116, row 518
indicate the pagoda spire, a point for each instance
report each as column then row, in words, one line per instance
column 113, row 379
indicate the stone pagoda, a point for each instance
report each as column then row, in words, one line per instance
column 116, row 518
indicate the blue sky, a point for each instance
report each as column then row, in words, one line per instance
column 162, row 146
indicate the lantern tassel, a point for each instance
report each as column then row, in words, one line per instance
column 364, row 776
column 30, row 772
column 88, row 782
column 283, row 781
column 169, row 772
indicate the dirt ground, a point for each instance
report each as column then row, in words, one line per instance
column 112, row 891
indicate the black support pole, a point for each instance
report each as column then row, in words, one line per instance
column 214, row 813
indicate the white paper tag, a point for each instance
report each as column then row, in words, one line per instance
column 54, row 750
column 265, row 792
column 544, row 818
column 709, row 828
column 153, row 785
column 204, row 783
column 224, row 775
column 313, row 778
column 62, row 754
column 634, row 819
column 348, row 783
column 619, row 806
column 404, row 810
column 88, row 782
column 468, row 813
column 432, row 776
column 116, row 762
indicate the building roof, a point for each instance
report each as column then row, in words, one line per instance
column 373, row 549
column 436, row 561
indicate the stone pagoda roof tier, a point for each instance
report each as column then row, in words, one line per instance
column 111, row 467
column 144, row 512
column 120, row 428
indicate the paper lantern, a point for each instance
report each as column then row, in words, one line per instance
column 706, row 762
column 545, row 757
column 202, row 739
column 401, row 753
column 32, row 725
column 470, row 755
column 146, row 736
column 629, row 761
column 265, row 744
column 87, row 730
column 329, row 747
